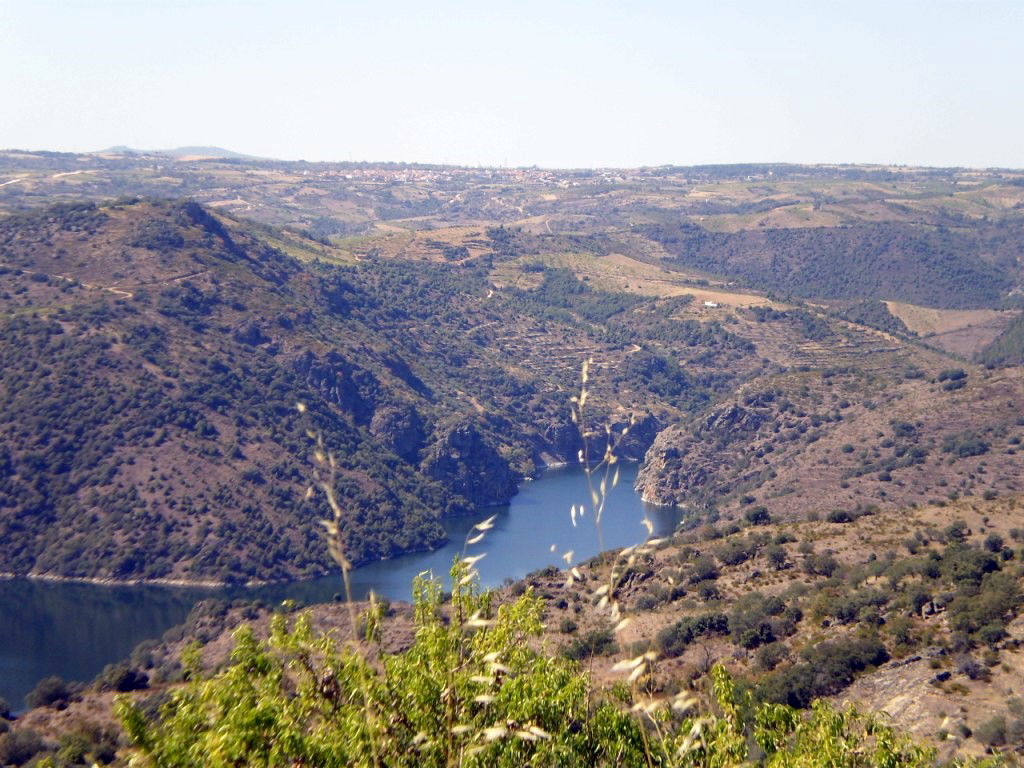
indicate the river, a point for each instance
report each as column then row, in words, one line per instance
column 73, row 630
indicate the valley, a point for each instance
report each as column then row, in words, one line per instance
column 816, row 369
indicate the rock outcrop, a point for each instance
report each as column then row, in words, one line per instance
column 353, row 389
column 399, row 429
column 463, row 461
column 712, row 456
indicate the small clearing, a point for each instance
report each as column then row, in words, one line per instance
column 925, row 321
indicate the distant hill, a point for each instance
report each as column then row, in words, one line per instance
column 939, row 238
column 180, row 152
column 967, row 267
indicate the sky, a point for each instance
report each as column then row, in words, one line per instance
column 553, row 84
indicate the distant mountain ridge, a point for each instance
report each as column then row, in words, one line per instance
column 180, row 152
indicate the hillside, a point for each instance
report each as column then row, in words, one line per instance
column 154, row 355
column 840, row 439
column 976, row 265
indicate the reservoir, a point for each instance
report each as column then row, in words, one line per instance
column 73, row 630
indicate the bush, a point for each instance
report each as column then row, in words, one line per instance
column 597, row 642
column 840, row 516
column 972, row 669
column 984, row 612
column 707, row 590
column 771, row 655
column 851, row 607
column 733, row 553
column 20, row 746
column 826, row 670
column 821, row 564
column 674, row 639
column 752, row 621
column 758, row 516
column 776, row 556
column 965, row 444
column 49, row 692
column 901, row 630
column 121, row 678
column 703, row 569
column 967, row 566
column 992, row 733
column 87, row 744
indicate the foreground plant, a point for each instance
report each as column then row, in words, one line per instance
column 472, row 690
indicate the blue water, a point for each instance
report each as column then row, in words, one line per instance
column 73, row 630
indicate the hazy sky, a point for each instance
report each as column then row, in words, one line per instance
column 553, row 83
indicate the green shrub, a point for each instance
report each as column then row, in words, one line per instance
column 993, row 542
column 758, row 516
column 707, row 590
column 20, row 746
column 776, row 556
column 992, row 732
column 840, row 516
column 121, row 678
column 49, row 692
column 597, row 642
column 703, row 569
column 674, row 639
column 87, row 744
column 821, row 564
column 827, row 669
column 770, row 656
column 965, row 444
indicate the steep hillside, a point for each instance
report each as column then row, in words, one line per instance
column 154, row 355
column 841, row 440
column 152, row 367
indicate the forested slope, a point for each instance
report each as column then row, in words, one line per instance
column 975, row 266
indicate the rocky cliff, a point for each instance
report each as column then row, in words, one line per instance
column 710, row 457
column 465, row 462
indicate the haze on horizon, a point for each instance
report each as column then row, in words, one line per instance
column 558, row 84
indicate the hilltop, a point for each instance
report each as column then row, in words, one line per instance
column 180, row 153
